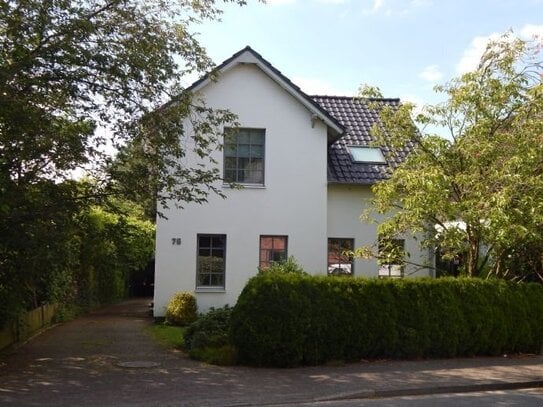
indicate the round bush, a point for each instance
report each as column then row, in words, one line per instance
column 182, row 309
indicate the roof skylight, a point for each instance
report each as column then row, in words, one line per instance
column 362, row 154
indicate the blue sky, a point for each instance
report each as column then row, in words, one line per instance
column 404, row 47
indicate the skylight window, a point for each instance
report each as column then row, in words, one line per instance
column 366, row 155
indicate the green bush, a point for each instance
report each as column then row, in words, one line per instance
column 293, row 319
column 290, row 265
column 208, row 338
column 210, row 329
column 181, row 309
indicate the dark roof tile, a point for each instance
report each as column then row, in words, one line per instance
column 357, row 119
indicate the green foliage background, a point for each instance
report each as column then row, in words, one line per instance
column 81, row 256
column 68, row 68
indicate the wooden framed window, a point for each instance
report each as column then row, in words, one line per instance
column 211, row 260
column 391, row 257
column 340, row 259
column 273, row 249
column 244, row 156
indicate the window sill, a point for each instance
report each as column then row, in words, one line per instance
column 210, row 290
column 244, row 186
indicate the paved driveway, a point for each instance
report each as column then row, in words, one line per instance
column 77, row 363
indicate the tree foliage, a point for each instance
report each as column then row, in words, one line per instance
column 478, row 192
column 77, row 79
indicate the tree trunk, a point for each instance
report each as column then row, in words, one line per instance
column 473, row 257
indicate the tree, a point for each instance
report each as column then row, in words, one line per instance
column 479, row 191
column 67, row 68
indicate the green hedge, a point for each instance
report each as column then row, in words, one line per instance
column 289, row 319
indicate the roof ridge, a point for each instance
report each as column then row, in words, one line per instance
column 397, row 99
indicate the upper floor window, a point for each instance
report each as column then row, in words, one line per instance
column 273, row 249
column 244, row 156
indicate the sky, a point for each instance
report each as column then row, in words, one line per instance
column 404, row 47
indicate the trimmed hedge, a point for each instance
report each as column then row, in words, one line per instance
column 290, row 319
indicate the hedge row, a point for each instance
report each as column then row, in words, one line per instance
column 289, row 319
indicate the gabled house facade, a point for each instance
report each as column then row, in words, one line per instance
column 306, row 167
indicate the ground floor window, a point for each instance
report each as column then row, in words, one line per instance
column 340, row 258
column 211, row 260
column 273, row 249
column 391, row 257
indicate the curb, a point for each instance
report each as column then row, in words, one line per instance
column 469, row 388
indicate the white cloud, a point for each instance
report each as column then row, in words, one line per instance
column 395, row 7
column 376, row 6
column 279, row 2
column 531, row 30
column 331, row 1
column 431, row 73
column 283, row 2
column 313, row 86
column 420, row 3
column 472, row 55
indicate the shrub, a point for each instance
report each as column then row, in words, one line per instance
column 211, row 329
column 272, row 318
column 208, row 338
column 292, row 319
column 290, row 265
column 181, row 309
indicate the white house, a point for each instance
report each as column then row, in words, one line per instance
column 306, row 168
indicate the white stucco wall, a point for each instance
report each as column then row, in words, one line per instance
column 293, row 201
column 345, row 205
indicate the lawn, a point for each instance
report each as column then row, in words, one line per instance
column 168, row 335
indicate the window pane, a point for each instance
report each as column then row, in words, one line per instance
column 257, row 151
column 210, row 262
column 266, row 242
column 230, row 162
column 204, row 241
column 218, row 241
column 243, row 163
column 272, row 249
column 243, row 137
column 244, row 151
column 340, row 261
column 277, row 256
column 257, row 137
column 279, row 243
column 230, row 150
column 254, row 177
column 230, row 176
column 392, row 251
column 367, row 155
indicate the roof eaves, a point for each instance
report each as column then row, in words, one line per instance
column 360, row 183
